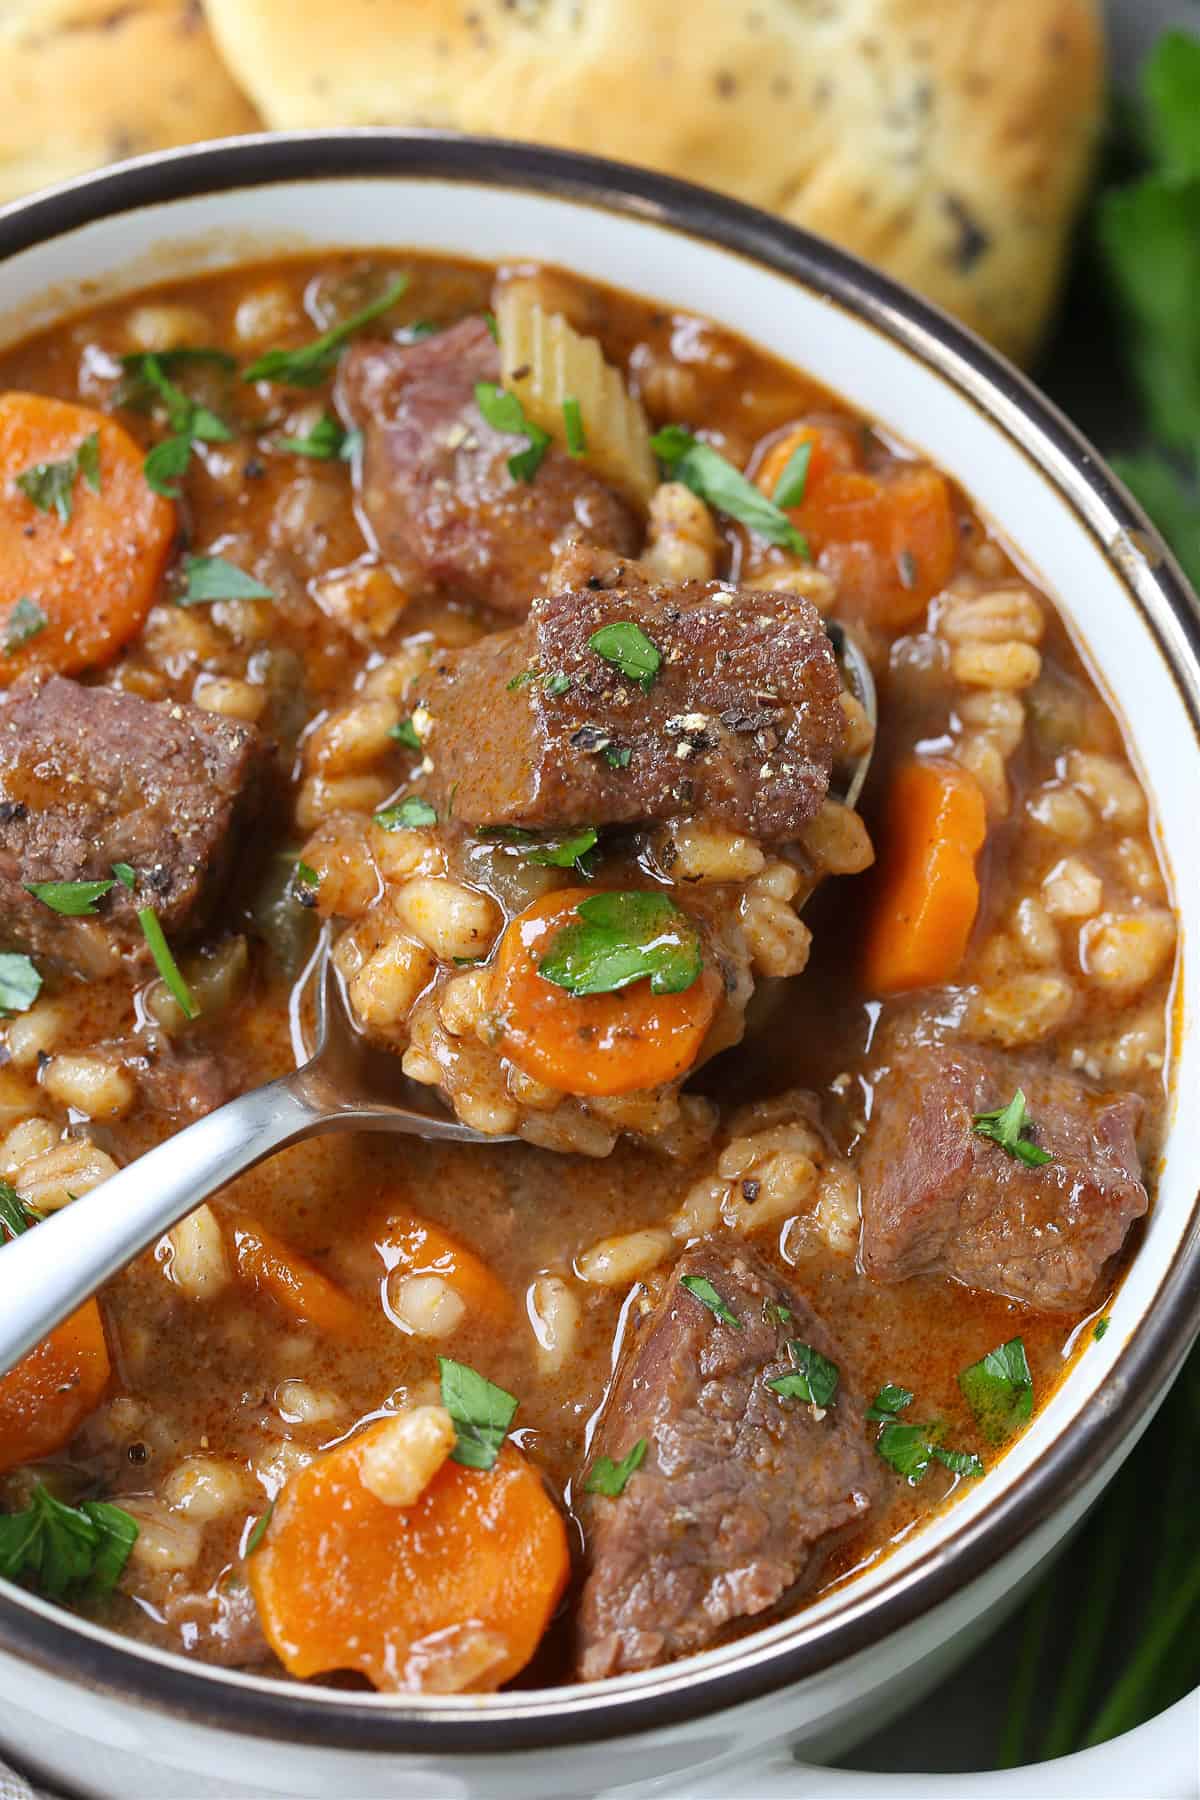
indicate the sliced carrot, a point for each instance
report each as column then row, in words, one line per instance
column 452, row 1593
column 618, row 1043
column 888, row 540
column 46, row 1398
column 274, row 1268
column 416, row 1246
column 928, row 893
column 92, row 577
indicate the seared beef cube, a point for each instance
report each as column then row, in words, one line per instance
column 939, row 1198
column 438, row 496
column 740, row 723
column 90, row 777
column 741, row 1493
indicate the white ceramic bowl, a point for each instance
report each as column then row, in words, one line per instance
column 109, row 1717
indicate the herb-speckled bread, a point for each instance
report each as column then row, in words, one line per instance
column 948, row 140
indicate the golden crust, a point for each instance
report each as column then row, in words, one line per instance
column 948, row 140
column 88, row 81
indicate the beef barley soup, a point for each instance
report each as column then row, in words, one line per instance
column 511, row 633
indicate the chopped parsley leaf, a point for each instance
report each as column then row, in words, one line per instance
column 481, row 1411
column 503, row 412
column 620, row 937
column 326, row 442
column 213, row 578
column 1101, row 1327
column 164, row 962
column 609, row 1477
column 789, row 489
column 24, row 622
column 125, row 874
column 15, row 1216
column 627, row 647
column 617, row 756
column 1011, row 1128
column 889, row 1401
column 60, row 1550
column 408, row 814
column 51, row 485
column 999, row 1390
column 813, row 1377
column 259, row 1530
column 715, row 479
column 702, row 1289
column 190, row 422
column 74, row 899
column 20, row 983
column 406, row 733
column 310, row 364
column 909, row 1449
column 573, row 426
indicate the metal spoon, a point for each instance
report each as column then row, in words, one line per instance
column 50, row 1270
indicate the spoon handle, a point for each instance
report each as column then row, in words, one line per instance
column 51, row 1269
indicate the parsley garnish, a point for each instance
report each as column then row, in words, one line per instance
column 20, row 982
column 573, row 426
column 609, row 1477
column 24, row 622
column 617, row 756
column 703, row 1290
column 212, row 578
column 789, row 489
column 489, row 319
column 716, row 481
column 15, row 1216
column 312, row 362
column 407, row 814
column 74, row 899
column 307, row 875
column 1011, row 1128
column 125, row 874
column 556, row 685
column 143, row 369
column 999, row 1390
column 627, row 647
column 620, row 937
column 406, row 733
column 1101, row 1327
column 813, row 1378
column 572, row 852
column 52, row 484
column 61, row 1549
column 889, row 1401
column 503, row 412
column 259, row 1530
column 190, row 422
column 909, row 1449
column 326, row 442
column 164, row 962
column 481, row 1411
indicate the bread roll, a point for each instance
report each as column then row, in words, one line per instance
column 948, row 140
column 88, row 81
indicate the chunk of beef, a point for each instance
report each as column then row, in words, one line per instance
column 741, row 1493
column 740, row 724
column 90, row 777
column 937, row 1198
column 437, row 493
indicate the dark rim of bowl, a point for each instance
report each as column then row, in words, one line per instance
column 1078, row 1454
